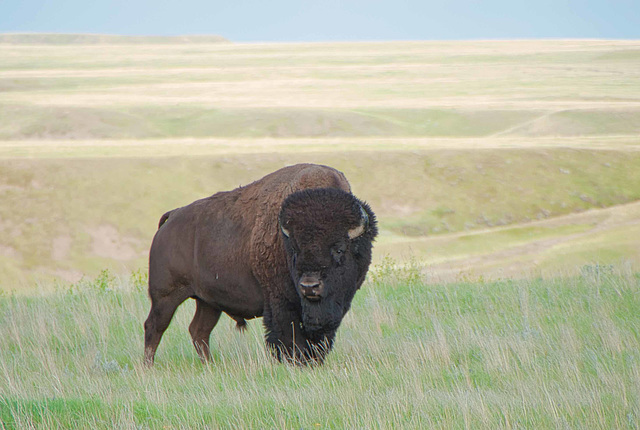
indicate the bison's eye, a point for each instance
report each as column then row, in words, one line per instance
column 337, row 252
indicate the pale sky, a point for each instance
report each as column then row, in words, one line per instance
column 330, row 20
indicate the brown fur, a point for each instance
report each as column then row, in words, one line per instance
column 226, row 251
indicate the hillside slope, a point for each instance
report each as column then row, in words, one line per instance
column 444, row 139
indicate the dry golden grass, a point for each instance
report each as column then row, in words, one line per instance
column 443, row 138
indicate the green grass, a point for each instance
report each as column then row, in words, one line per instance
column 37, row 122
column 608, row 246
column 529, row 353
column 459, row 246
column 23, row 122
column 584, row 122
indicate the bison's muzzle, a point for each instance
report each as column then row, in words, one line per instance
column 311, row 287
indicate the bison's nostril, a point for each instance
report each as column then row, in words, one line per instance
column 310, row 287
column 309, row 284
column 309, row 291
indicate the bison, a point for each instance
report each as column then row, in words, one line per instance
column 292, row 247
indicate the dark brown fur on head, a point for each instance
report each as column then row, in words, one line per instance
column 328, row 238
column 325, row 210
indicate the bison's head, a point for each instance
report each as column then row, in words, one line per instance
column 328, row 235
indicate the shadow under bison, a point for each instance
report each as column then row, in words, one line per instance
column 292, row 247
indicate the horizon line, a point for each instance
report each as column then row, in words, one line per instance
column 262, row 41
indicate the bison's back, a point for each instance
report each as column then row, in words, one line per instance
column 226, row 248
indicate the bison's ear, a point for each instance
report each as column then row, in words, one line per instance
column 364, row 222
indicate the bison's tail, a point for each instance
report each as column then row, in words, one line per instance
column 241, row 324
column 164, row 219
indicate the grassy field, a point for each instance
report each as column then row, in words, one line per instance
column 561, row 353
column 453, row 143
column 505, row 175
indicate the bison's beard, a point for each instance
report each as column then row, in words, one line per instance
column 321, row 319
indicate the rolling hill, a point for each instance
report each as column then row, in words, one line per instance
column 481, row 158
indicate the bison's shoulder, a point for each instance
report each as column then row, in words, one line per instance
column 266, row 196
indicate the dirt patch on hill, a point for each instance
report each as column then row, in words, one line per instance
column 107, row 242
column 7, row 251
column 60, row 248
column 66, row 275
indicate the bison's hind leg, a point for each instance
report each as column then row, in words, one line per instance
column 204, row 320
column 162, row 310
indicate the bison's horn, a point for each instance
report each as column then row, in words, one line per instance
column 357, row 231
column 284, row 231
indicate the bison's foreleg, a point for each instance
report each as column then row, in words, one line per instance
column 204, row 321
column 284, row 333
column 317, row 350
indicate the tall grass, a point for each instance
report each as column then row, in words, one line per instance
column 533, row 353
